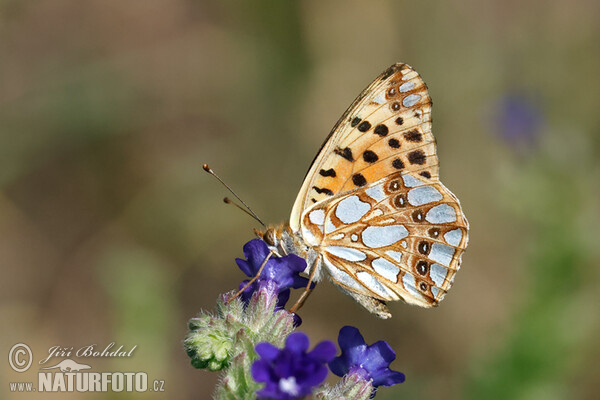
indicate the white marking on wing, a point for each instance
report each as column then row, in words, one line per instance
column 441, row 214
column 386, row 269
column 411, row 100
column 309, row 237
column 411, row 181
column 376, row 193
column 454, row 237
column 351, row 209
column 347, row 253
column 317, row 217
column 441, row 253
column 375, row 286
column 376, row 213
column 341, row 276
column 405, row 87
column 435, row 291
column 354, row 237
column 380, row 236
column 438, row 274
column 329, row 226
column 395, row 255
column 408, row 280
column 338, row 236
column 380, row 98
column 423, row 195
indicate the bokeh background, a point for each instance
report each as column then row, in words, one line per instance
column 111, row 231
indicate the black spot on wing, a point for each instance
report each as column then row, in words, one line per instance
column 397, row 163
column 370, row 156
column 329, row 172
column 359, row 180
column 394, row 143
column 323, row 190
column 364, row 126
column 345, row 153
column 381, row 130
column 355, row 122
column 413, row 136
column 417, row 157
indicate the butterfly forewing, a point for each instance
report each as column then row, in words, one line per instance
column 372, row 205
column 387, row 129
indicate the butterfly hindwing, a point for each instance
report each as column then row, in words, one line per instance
column 398, row 238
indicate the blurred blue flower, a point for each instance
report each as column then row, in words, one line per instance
column 367, row 362
column 283, row 271
column 291, row 372
column 518, row 120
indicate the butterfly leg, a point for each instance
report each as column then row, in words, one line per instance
column 307, row 290
column 251, row 281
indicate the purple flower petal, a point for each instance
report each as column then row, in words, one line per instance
column 267, row 351
column 297, row 342
column 367, row 362
column 292, row 372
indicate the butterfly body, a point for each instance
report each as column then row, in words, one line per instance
column 372, row 214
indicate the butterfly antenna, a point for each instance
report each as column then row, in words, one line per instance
column 248, row 210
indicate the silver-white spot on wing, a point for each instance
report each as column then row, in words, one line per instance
column 405, row 87
column 347, row 253
column 411, row 100
column 376, row 193
column 435, row 291
column 411, row 181
column 453, row 237
column 317, row 217
column 375, row 286
column 381, row 236
column 386, row 269
column 394, row 255
column 438, row 274
column 380, row 98
column 329, row 226
column 423, row 195
column 441, row 214
column 408, row 280
column 339, row 236
column 441, row 253
column 351, row 209
column 342, row 277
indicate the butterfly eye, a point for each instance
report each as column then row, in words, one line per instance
column 422, row 267
column 400, row 201
column 269, row 237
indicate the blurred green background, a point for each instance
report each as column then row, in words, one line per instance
column 111, row 231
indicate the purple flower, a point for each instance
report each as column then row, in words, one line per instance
column 283, row 271
column 367, row 362
column 518, row 120
column 291, row 372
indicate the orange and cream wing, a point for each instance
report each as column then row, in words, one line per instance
column 387, row 129
column 401, row 237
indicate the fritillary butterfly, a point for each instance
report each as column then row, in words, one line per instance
column 372, row 214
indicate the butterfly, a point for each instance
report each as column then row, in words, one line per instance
column 372, row 214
